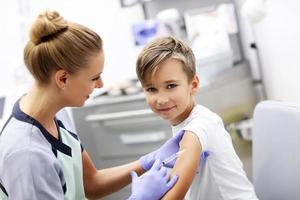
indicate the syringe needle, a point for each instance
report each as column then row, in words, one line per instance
column 172, row 157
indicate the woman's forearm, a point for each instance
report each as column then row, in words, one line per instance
column 107, row 181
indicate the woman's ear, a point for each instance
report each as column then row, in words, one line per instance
column 61, row 78
column 195, row 83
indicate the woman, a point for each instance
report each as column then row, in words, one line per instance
column 39, row 157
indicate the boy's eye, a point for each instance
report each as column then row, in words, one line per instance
column 150, row 89
column 170, row 86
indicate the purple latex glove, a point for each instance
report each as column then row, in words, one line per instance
column 167, row 149
column 153, row 184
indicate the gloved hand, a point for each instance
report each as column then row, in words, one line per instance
column 153, row 184
column 167, row 149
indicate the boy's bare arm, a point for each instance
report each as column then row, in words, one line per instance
column 186, row 166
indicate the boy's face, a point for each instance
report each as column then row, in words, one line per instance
column 168, row 92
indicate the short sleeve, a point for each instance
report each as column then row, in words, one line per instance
column 32, row 174
column 201, row 127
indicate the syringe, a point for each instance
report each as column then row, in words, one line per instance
column 169, row 159
column 172, row 157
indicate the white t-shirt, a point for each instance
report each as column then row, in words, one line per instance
column 220, row 176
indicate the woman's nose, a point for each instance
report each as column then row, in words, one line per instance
column 99, row 83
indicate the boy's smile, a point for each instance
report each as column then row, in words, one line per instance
column 165, row 109
column 169, row 93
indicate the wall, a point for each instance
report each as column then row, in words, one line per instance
column 106, row 17
column 278, row 40
column 10, row 48
column 277, row 36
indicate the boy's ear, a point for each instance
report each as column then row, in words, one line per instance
column 195, row 83
column 61, row 78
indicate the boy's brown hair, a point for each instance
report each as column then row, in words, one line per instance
column 162, row 49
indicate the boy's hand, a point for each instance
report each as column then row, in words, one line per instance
column 167, row 149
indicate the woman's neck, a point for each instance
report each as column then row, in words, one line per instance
column 41, row 104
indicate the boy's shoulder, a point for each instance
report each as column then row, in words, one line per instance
column 204, row 114
column 201, row 118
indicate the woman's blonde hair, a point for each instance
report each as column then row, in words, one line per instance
column 58, row 44
column 161, row 49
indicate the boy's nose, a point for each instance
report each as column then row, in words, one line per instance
column 162, row 100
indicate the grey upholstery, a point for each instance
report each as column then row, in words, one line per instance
column 276, row 150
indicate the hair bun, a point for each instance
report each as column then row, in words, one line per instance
column 47, row 26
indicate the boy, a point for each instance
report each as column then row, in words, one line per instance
column 166, row 69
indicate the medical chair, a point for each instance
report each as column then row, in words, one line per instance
column 276, row 150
